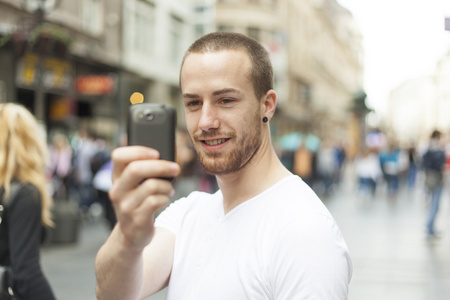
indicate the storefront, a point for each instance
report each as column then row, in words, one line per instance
column 67, row 94
column 44, row 86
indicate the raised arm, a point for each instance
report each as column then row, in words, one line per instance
column 136, row 260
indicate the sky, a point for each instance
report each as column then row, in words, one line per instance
column 402, row 39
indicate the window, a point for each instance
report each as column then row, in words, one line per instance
column 304, row 92
column 144, row 26
column 176, row 29
column 92, row 16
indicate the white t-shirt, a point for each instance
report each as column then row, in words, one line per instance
column 281, row 244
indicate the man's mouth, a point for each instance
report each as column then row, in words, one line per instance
column 214, row 142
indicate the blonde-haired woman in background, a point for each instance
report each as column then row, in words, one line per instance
column 23, row 157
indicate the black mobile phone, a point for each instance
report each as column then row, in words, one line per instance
column 153, row 125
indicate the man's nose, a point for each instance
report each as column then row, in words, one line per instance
column 209, row 118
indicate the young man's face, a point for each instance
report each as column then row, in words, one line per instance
column 223, row 115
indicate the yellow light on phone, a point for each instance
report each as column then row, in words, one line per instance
column 136, row 97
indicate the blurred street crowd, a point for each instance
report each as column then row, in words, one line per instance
column 80, row 169
column 380, row 162
column 79, row 172
column 381, row 167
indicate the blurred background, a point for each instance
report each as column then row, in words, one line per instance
column 353, row 80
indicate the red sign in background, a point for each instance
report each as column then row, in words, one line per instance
column 95, row 84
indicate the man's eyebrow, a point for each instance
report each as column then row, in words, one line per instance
column 190, row 96
column 224, row 91
column 215, row 93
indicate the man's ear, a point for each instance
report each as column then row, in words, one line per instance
column 269, row 104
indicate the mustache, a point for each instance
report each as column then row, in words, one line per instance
column 212, row 135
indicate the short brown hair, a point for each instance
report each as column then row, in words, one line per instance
column 261, row 74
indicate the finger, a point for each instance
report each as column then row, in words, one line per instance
column 122, row 156
column 138, row 171
column 146, row 211
column 150, row 187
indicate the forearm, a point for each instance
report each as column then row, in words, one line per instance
column 119, row 270
column 136, row 195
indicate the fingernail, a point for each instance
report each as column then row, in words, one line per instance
column 174, row 166
column 172, row 193
column 153, row 153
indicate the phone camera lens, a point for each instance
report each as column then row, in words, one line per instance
column 149, row 116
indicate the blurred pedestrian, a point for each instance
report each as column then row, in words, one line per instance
column 102, row 183
column 341, row 156
column 304, row 164
column 368, row 171
column 412, row 167
column 433, row 164
column 264, row 234
column 87, row 148
column 23, row 155
column 60, row 165
column 390, row 165
column 327, row 165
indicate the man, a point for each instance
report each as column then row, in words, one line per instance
column 263, row 235
column 433, row 163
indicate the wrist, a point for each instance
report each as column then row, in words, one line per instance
column 133, row 244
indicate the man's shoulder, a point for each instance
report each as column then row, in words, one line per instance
column 292, row 189
column 293, row 199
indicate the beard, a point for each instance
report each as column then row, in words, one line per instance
column 235, row 159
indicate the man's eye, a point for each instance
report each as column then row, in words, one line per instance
column 227, row 101
column 193, row 103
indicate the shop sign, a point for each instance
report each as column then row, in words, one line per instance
column 27, row 70
column 94, row 85
column 55, row 73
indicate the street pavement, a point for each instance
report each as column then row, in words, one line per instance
column 392, row 258
column 70, row 267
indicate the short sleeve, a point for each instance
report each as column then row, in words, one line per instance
column 310, row 261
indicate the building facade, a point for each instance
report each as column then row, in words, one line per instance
column 156, row 34
column 318, row 60
column 420, row 105
column 113, row 48
column 61, row 60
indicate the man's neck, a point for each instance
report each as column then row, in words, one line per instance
column 263, row 171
